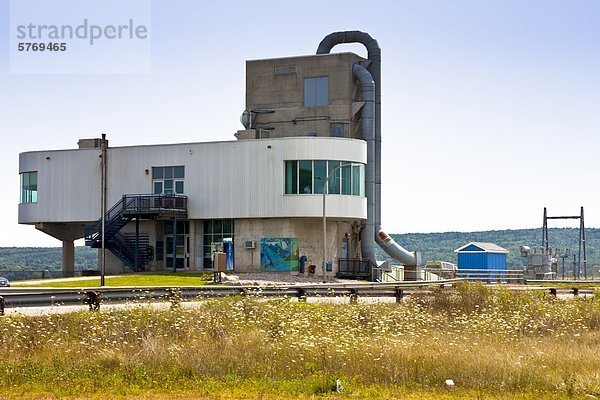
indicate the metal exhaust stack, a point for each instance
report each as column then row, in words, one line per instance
column 371, row 132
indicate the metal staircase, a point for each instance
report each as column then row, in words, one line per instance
column 133, row 249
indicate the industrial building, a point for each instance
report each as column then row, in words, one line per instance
column 311, row 124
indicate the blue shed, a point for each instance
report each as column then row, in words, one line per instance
column 485, row 256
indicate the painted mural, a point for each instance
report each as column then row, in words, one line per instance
column 279, row 254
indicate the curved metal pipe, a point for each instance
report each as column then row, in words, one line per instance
column 374, row 55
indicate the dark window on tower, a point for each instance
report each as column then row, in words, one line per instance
column 316, row 91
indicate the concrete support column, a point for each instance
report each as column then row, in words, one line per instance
column 68, row 258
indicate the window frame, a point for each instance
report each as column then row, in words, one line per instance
column 347, row 180
column 171, row 176
column 29, row 190
column 316, row 91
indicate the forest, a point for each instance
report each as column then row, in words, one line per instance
column 441, row 246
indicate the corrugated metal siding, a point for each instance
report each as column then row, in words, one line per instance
column 496, row 261
column 472, row 260
column 481, row 261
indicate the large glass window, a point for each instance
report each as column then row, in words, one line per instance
column 316, row 91
column 319, row 176
column 307, row 177
column 168, row 180
column 29, row 188
column 358, row 180
column 334, row 177
column 346, row 178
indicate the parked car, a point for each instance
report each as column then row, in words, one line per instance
column 4, row 282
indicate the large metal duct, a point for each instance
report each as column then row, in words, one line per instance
column 374, row 55
column 371, row 132
column 367, row 128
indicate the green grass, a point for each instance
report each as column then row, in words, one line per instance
column 138, row 279
column 494, row 344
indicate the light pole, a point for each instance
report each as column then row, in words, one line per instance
column 325, row 187
column 103, row 145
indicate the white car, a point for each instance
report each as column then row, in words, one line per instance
column 4, row 282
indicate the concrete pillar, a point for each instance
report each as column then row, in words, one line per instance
column 68, row 258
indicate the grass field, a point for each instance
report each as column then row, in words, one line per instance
column 138, row 279
column 492, row 343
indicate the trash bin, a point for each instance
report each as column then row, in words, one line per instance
column 303, row 260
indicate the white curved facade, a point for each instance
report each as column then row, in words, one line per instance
column 236, row 179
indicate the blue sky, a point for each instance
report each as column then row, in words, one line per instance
column 490, row 108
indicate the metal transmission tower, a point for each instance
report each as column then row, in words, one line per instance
column 581, row 239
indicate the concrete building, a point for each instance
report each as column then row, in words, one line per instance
column 259, row 198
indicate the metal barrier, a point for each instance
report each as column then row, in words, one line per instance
column 482, row 275
column 16, row 297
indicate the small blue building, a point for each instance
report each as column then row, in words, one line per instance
column 484, row 256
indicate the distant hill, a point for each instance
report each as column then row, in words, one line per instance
column 18, row 259
column 441, row 246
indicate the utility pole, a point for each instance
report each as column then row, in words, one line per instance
column 103, row 147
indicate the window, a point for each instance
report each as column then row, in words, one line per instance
column 358, row 180
column 346, row 178
column 307, row 177
column 338, row 130
column 29, row 187
column 168, row 180
column 316, row 91
column 334, row 177
column 291, row 177
column 320, row 175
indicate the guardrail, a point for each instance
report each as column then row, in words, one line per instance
column 482, row 275
column 93, row 297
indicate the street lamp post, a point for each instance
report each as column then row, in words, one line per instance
column 325, row 187
column 103, row 145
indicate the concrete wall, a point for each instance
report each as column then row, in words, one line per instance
column 309, row 231
column 284, row 94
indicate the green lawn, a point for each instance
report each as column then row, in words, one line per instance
column 139, row 279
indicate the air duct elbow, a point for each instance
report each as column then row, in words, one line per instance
column 396, row 251
column 335, row 38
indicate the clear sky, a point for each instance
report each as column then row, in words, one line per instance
column 491, row 109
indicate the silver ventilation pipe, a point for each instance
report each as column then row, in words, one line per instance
column 367, row 128
column 371, row 132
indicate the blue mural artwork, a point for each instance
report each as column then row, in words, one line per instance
column 279, row 254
